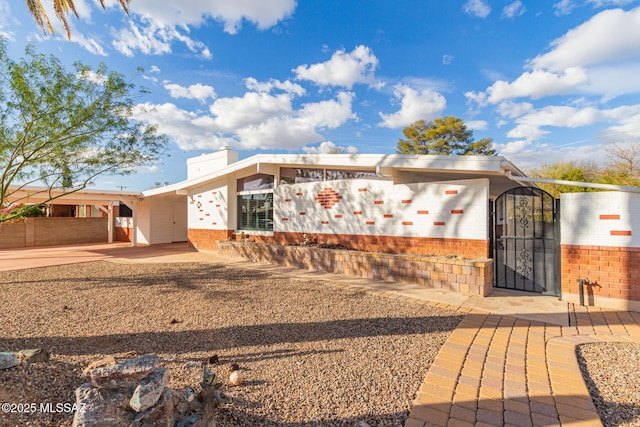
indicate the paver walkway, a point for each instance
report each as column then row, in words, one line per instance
column 499, row 370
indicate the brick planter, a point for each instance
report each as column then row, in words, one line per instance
column 469, row 277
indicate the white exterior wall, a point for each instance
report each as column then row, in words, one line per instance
column 600, row 219
column 451, row 209
column 143, row 231
column 209, row 207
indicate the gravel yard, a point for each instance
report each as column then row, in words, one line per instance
column 312, row 354
column 611, row 373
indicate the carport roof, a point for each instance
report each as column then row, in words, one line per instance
column 37, row 194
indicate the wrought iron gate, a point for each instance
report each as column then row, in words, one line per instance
column 525, row 241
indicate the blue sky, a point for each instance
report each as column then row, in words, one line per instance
column 546, row 80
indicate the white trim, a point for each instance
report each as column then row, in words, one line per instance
column 254, row 232
column 577, row 183
column 243, row 193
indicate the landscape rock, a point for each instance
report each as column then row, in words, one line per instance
column 169, row 409
column 34, row 355
column 105, row 361
column 100, row 407
column 125, row 374
column 8, row 359
column 148, row 392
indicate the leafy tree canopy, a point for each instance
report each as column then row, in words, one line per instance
column 61, row 128
column 443, row 136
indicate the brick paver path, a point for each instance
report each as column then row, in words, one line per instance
column 499, row 370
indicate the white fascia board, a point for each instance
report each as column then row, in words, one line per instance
column 485, row 164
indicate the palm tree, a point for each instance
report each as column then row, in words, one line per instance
column 63, row 8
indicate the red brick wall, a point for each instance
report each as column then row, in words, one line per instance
column 124, row 234
column 391, row 244
column 615, row 272
column 206, row 239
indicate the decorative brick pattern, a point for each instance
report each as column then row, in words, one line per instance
column 328, row 198
column 388, row 215
column 370, row 222
column 609, row 217
column 407, row 222
column 475, row 277
column 357, row 212
column 337, row 216
column 451, row 192
column 439, row 223
column 620, row 232
column 423, row 212
column 378, row 202
column 406, row 201
column 457, row 211
column 324, row 222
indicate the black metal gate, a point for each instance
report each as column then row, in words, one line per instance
column 525, row 241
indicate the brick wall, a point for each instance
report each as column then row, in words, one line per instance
column 207, row 240
column 613, row 271
column 470, row 277
column 600, row 240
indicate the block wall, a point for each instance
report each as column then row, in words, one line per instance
column 600, row 241
column 442, row 218
column 470, row 277
column 53, row 231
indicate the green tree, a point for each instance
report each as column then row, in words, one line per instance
column 443, row 136
column 60, row 129
column 567, row 171
column 63, row 8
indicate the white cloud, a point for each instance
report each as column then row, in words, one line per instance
column 565, row 7
column 447, row 59
column 512, row 147
column 286, row 86
column 477, row 124
column 611, row 35
column 328, row 147
column 197, row 91
column 535, row 84
column 154, row 40
column 230, row 13
column 512, row 109
column 249, row 110
column 477, row 8
column 343, row 69
column 530, row 125
column 415, row 105
column 514, row 9
column 154, row 69
column 155, row 25
column 255, row 120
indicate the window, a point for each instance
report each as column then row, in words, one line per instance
column 259, row 181
column 255, row 211
column 298, row 175
column 349, row 174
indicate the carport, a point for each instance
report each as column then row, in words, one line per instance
column 104, row 200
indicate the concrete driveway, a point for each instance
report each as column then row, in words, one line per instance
column 22, row 258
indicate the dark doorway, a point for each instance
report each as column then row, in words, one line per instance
column 525, row 241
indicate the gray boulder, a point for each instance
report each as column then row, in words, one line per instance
column 8, row 360
column 100, row 407
column 149, row 390
column 123, row 375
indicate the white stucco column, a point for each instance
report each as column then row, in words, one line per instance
column 110, row 222
column 134, row 226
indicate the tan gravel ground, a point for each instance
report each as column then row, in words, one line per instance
column 612, row 374
column 312, row 354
